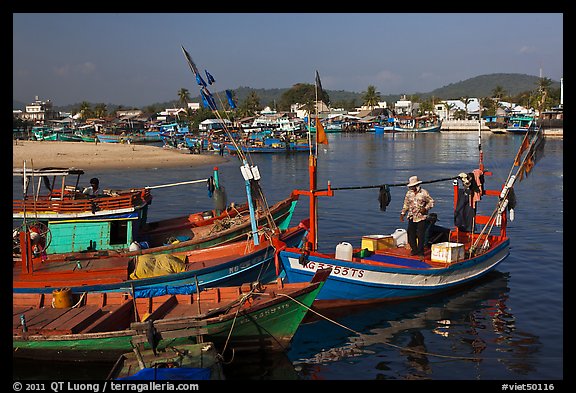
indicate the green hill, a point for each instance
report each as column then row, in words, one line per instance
column 480, row 86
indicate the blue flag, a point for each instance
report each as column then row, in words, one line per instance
column 209, row 77
column 230, row 99
column 208, row 99
column 200, row 80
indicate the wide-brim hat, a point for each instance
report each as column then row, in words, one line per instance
column 413, row 181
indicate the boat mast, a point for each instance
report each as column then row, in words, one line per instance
column 313, row 193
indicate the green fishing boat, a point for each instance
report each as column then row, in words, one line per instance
column 102, row 326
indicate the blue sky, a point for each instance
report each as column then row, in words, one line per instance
column 135, row 59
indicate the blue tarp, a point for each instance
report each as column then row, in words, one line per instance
column 175, row 373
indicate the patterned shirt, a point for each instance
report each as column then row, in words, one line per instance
column 415, row 201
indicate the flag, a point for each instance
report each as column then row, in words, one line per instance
column 230, row 99
column 190, row 62
column 208, row 100
column 320, row 134
column 523, row 147
column 318, row 84
column 200, row 81
column 535, row 153
column 209, row 77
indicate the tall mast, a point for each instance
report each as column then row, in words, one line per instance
column 313, row 193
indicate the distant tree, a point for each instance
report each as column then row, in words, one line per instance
column 449, row 107
column 542, row 94
column 371, row 97
column 426, row 106
column 488, row 106
column 151, row 110
column 198, row 117
column 301, row 93
column 250, row 105
column 85, row 110
column 498, row 93
column 183, row 97
column 100, row 110
column 466, row 100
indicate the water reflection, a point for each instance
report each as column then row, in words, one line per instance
column 415, row 340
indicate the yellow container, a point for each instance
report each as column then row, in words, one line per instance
column 62, row 298
column 378, row 242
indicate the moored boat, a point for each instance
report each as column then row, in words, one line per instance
column 520, row 124
column 104, row 326
column 183, row 362
column 152, row 274
column 385, row 271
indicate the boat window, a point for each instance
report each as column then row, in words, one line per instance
column 118, row 232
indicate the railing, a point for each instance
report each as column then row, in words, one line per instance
column 126, row 200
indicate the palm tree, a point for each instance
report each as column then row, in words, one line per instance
column 371, row 97
column 498, row 92
column 85, row 110
column 449, row 107
column 100, row 110
column 183, row 97
column 543, row 87
column 250, row 105
column 466, row 100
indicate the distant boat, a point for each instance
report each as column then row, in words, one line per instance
column 409, row 124
column 520, row 124
column 136, row 138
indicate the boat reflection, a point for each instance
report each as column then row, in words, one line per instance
column 415, row 339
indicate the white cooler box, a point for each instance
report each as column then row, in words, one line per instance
column 447, row 252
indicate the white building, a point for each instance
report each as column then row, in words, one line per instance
column 39, row 111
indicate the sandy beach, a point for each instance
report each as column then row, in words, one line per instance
column 83, row 155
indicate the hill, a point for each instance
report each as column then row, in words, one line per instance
column 480, row 86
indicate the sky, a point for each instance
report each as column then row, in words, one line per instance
column 135, row 59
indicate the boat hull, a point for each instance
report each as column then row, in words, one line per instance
column 358, row 282
column 224, row 265
column 261, row 322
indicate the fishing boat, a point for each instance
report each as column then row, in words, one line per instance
column 520, row 124
column 409, row 124
column 179, row 272
column 268, row 145
column 102, row 326
column 72, row 226
column 381, row 270
column 133, row 137
column 190, row 362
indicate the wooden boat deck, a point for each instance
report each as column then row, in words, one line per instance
column 112, row 312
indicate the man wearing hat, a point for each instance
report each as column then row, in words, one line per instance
column 417, row 203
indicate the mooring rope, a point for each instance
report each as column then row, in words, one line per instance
column 385, row 343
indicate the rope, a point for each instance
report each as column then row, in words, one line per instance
column 389, row 185
column 391, row 345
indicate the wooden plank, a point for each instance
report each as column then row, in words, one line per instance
column 73, row 321
column 114, row 318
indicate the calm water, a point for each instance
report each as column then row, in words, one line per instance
column 508, row 327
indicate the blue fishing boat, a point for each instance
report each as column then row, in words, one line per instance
column 520, row 124
column 180, row 272
column 382, row 270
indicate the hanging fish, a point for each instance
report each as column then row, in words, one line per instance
column 384, row 197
